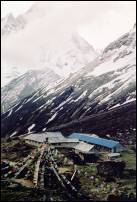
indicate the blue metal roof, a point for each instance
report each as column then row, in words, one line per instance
column 94, row 140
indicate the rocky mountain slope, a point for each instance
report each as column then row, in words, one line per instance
column 108, row 84
column 24, row 85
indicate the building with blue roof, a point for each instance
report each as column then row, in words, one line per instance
column 112, row 145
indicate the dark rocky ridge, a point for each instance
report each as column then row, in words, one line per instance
column 116, row 122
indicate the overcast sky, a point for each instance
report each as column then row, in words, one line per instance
column 103, row 21
column 15, row 7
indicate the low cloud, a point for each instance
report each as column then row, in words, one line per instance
column 51, row 24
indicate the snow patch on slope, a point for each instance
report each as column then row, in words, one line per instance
column 30, row 128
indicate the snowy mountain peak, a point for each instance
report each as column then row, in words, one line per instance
column 63, row 52
column 25, row 85
column 10, row 24
column 9, row 18
column 127, row 40
column 81, row 42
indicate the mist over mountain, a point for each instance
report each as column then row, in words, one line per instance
column 47, row 39
column 104, row 87
column 68, row 71
column 43, row 37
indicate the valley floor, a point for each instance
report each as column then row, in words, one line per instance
column 90, row 185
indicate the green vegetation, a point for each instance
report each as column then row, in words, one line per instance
column 98, row 187
column 89, row 182
column 129, row 157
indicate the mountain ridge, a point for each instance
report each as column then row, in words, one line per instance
column 106, row 83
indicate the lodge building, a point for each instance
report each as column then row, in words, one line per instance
column 110, row 145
